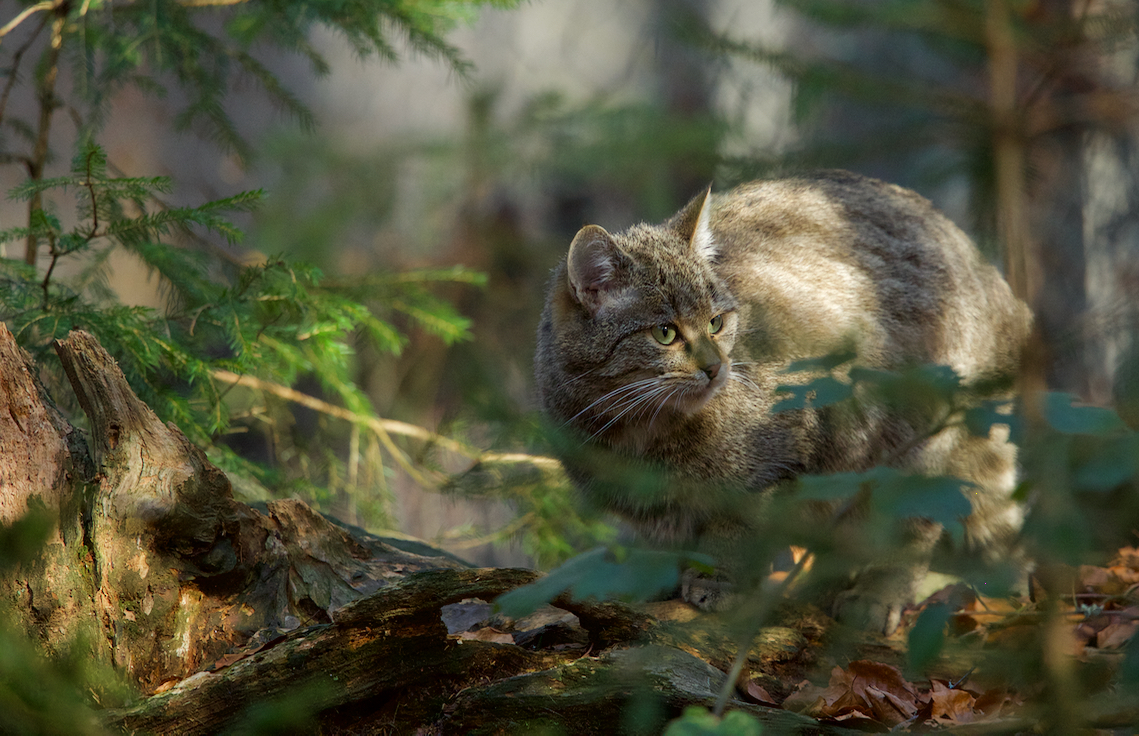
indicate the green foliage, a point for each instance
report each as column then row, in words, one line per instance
column 927, row 637
column 602, row 573
column 698, row 721
column 41, row 695
column 203, row 49
column 277, row 321
column 21, row 540
column 294, row 713
column 894, row 494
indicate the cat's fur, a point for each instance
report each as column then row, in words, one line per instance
column 794, row 268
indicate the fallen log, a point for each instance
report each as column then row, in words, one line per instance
column 220, row 613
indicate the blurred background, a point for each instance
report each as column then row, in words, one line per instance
column 1018, row 118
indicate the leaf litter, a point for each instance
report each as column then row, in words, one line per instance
column 1100, row 614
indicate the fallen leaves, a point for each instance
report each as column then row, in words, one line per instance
column 867, row 694
column 1098, row 609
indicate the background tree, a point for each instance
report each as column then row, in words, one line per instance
column 1007, row 106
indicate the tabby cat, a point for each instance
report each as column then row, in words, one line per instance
column 660, row 350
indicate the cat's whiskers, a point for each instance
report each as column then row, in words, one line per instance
column 639, row 401
column 630, row 403
column 583, row 374
column 627, row 388
column 743, row 380
column 675, row 391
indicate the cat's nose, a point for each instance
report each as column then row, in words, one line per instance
column 712, row 370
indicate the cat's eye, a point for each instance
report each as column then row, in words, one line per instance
column 664, row 334
column 716, row 324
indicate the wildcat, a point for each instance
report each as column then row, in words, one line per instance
column 660, row 350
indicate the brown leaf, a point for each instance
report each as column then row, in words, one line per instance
column 991, row 702
column 807, row 698
column 165, row 686
column 1116, row 634
column 961, row 624
column 758, row 694
column 868, row 689
column 1015, row 637
column 1127, row 576
column 1127, row 557
column 951, row 704
column 1093, row 578
column 889, row 708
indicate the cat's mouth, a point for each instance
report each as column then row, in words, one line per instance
column 705, row 385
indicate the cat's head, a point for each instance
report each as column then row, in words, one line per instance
column 642, row 324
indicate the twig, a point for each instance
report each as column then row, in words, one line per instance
column 55, row 254
column 94, row 205
column 47, row 109
column 503, row 533
column 743, row 646
column 17, row 57
column 385, row 427
column 23, row 15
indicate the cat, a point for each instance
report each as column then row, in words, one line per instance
column 660, row 350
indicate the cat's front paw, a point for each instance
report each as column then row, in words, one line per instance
column 868, row 612
column 706, row 592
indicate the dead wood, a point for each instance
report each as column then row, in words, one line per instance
column 212, row 608
column 155, row 565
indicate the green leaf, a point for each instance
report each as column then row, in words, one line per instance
column 820, row 392
column 1112, row 462
column 641, row 575
column 822, row 363
column 1064, row 416
column 939, row 498
column 922, row 386
column 895, row 494
column 927, row 637
column 523, row 601
column 981, row 419
column 699, row 721
column 22, row 540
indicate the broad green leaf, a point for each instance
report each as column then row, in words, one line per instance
column 896, row 494
column 699, row 721
column 980, row 419
column 641, row 575
column 820, row 392
column 525, row 600
column 822, row 363
column 1114, row 461
column 927, row 637
column 1064, row 416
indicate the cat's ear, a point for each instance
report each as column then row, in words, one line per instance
column 694, row 225
column 591, row 266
